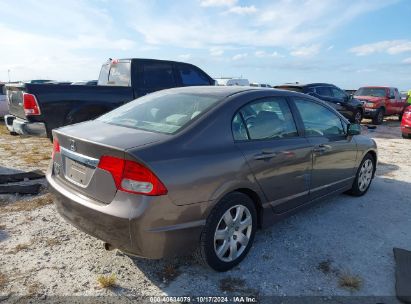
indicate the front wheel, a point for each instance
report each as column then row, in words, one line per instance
column 229, row 232
column 364, row 176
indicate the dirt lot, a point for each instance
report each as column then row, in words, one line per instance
column 342, row 246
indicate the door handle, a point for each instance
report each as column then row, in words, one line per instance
column 265, row 154
column 322, row 148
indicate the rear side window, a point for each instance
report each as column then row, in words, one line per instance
column 115, row 73
column 158, row 75
column 323, row 91
column 268, row 118
column 161, row 112
column 318, row 120
column 192, row 76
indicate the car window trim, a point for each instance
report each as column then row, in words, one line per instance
column 262, row 139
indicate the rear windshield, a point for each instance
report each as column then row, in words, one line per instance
column 161, row 112
column 375, row 92
column 290, row 88
column 115, row 73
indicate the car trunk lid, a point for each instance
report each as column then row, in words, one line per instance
column 81, row 148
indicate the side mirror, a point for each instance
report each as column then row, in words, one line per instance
column 353, row 129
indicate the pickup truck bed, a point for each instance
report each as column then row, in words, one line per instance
column 76, row 103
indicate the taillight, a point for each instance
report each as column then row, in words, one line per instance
column 30, row 104
column 132, row 177
column 56, row 147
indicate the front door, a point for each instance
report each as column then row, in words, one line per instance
column 278, row 157
column 334, row 154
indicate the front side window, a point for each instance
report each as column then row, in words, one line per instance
column 318, row 120
column 338, row 93
column 269, row 118
column 158, row 75
column 191, row 76
column 161, row 112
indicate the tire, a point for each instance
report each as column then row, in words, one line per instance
column 379, row 117
column 211, row 241
column 358, row 116
column 364, row 176
column 406, row 136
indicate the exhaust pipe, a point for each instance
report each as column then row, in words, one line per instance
column 108, row 246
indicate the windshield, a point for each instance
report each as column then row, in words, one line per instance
column 115, row 73
column 161, row 112
column 375, row 92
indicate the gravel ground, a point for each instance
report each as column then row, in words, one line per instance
column 313, row 253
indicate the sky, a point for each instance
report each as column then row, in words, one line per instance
column 349, row 43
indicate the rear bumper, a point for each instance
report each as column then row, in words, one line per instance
column 406, row 129
column 24, row 127
column 150, row 227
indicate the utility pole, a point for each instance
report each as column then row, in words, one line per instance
column 8, row 72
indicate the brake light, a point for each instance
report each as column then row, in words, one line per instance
column 30, row 104
column 56, row 147
column 132, row 177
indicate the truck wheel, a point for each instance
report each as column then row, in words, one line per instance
column 229, row 232
column 364, row 176
column 379, row 117
column 358, row 116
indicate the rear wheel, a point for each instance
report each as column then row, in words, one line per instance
column 363, row 177
column 229, row 232
column 379, row 117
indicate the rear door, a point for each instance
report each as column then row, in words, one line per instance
column 334, row 154
column 265, row 131
column 153, row 76
column 189, row 75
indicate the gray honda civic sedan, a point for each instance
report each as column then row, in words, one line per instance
column 202, row 168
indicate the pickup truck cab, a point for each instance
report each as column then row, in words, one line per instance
column 380, row 102
column 37, row 109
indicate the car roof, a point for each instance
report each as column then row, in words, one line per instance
column 226, row 91
column 301, row 85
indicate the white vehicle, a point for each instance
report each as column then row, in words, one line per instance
column 4, row 108
column 261, row 85
column 232, row 82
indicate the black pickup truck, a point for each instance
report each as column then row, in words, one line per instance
column 36, row 109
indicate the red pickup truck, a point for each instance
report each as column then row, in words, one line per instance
column 380, row 102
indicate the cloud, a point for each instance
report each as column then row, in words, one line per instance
column 185, row 56
column 239, row 56
column 391, row 47
column 283, row 23
column 242, row 10
column 216, row 52
column 306, row 51
column 407, row 60
column 264, row 54
column 216, row 3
